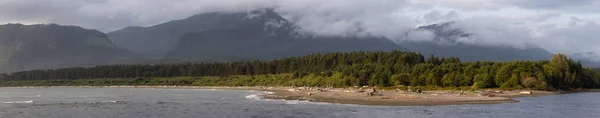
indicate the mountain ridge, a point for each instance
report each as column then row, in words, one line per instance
column 41, row 46
column 157, row 40
column 266, row 25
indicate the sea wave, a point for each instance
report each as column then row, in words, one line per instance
column 18, row 102
column 35, row 96
column 253, row 97
column 111, row 101
column 295, row 102
column 257, row 95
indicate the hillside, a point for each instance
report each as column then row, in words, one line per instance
column 156, row 41
column 252, row 43
column 26, row 47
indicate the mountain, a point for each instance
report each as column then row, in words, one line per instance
column 155, row 41
column 221, row 36
column 445, row 44
column 26, row 47
column 264, row 34
column 251, row 44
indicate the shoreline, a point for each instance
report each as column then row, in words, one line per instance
column 393, row 98
column 350, row 96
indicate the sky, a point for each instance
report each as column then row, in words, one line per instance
column 559, row 26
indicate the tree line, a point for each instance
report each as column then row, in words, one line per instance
column 384, row 69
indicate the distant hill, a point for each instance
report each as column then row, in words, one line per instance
column 445, row 44
column 596, row 69
column 259, row 34
column 589, row 59
column 26, row 47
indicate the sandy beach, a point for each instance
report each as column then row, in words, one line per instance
column 403, row 98
column 365, row 96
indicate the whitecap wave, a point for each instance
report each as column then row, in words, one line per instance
column 35, row 96
column 18, row 102
column 258, row 96
column 253, row 97
column 111, row 101
column 295, row 102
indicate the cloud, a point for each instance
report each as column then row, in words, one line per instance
column 496, row 31
column 341, row 17
column 575, row 37
column 587, row 6
column 546, row 4
column 437, row 17
column 464, row 5
column 420, row 35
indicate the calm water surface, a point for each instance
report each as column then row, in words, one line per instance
column 194, row 103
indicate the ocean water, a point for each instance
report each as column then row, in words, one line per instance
column 195, row 103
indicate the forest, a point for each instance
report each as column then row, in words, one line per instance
column 341, row 69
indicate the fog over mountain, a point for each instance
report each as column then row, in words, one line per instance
column 264, row 34
column 520, row 29
column 558, row 26
column 240, row 36
column 449, row 41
